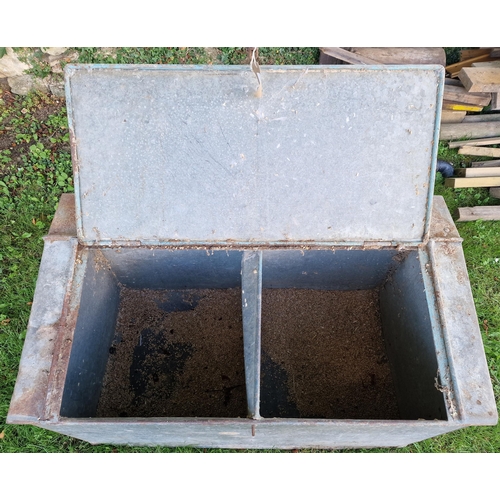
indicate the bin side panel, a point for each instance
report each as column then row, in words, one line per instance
column 162, row 269
column 409, row 340
column 187, row 154
column 56, row 269
column 284, row 434
column 92, row 338
column 326, row 270
column 468, row 367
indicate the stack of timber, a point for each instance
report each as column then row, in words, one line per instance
column 482, row 131
column 479, row 77
column 477, row 84
column 481, row 173
column 457, row 101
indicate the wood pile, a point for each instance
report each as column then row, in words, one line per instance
column 477, row 76
column 473, row 84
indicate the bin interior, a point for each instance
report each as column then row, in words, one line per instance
column 346, row 334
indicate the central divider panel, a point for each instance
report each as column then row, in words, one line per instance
column 251, row 299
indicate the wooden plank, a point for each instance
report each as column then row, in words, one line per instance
column 347, row 56
column 450, row 116
column 477, row 151
column 470, row 53
column 478, row 172
column 460, row 94
column 480, row 79
column 482, row 118
column 495, row 52
column 487, row 163
column 457, row 106
column 455, row 68
column 403, row 55
column 487, row 64
column 465, row 182
column 495, row 192
column 475, row 142
column 473, row 130
column 475, row 213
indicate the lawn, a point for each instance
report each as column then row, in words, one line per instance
column 35, row 169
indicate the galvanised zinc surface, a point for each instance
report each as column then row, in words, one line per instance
column 169, row 154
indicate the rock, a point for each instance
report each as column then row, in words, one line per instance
column 24, row 84
column 56, row 68
column 4, row 85
column 57, row 90
column 55, row 61
column 56, row 86
column 54, row 51
column 11, row 66
column 108, row 51
column 213, row 54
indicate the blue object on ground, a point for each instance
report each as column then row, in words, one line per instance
column 445, row 168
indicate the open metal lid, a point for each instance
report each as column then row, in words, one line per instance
column 176, row 155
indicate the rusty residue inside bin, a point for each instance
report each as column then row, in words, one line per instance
column 324, row 356
column 176, row 353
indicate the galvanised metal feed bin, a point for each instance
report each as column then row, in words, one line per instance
column 253, row 272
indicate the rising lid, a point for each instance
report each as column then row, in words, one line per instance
column 191, row 155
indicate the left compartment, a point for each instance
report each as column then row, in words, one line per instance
column 159, row 334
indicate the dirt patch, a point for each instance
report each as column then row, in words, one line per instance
column 18, row 128
column 324, row 356
column 180, row 354
column 5, row 140
column 176, row 353
column 51, row 107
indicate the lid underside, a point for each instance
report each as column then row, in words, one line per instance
column 190, row 155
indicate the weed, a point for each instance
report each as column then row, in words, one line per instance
column 453, row 54
column 143, row 55
column 33, row 56
column 271, row 55
column 193, row 55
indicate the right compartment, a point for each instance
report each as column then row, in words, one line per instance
column 350, row 334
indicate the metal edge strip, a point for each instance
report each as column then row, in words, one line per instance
column 435, row 144
column 68, row 72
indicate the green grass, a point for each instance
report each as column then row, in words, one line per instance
column 197, row 55
column 35, row 169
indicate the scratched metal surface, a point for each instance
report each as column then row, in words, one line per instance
column 251, row 434
column 185, row 153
